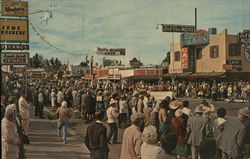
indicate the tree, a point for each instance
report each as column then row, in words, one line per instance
column 135, row 63
column 58, row 63
column 52, row 62
column 84, row 64
column 37, row 60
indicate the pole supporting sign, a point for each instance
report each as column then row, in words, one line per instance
column 178, row 28
column 111, row 52
column 14, row 47
column 15, row 8
column 14, row 58
column 14, row 30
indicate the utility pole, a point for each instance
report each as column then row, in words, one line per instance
column 91, row 65
column 195, row 51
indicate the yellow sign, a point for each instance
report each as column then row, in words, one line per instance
column 15, row 8
column 13, row 30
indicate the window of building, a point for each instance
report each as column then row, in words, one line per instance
column 214, row 51
column 199, row 53
column 234, row 50
column 177, row 56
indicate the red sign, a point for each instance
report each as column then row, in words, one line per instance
column 148, row 72
column 227, row 67
column 184, row 58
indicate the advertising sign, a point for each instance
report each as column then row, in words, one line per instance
column 111, row 52
column 14, row 58
column 14, row 30
column 228, row 67
column 247, row 53
column 184, row 58
column 14, row 8
column 161, row 95
column 200, row 37
column 177, row 28
column 236, row 64
column 14, row 47
column 244, row 37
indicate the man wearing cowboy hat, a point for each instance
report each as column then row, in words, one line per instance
column 198, row 129
column 234, row 136
column 113, row 114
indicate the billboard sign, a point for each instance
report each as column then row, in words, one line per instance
column 111, row 52
column 247, row 53
column 236, row 64
column 200, row 37
column 15, row 8
column 228, row 67
column 14, row 47
column 244, row 37
column 184, row 58
column 14, row 30
column 178, row 28
column 14, row 58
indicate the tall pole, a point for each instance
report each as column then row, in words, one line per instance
column 195, row 52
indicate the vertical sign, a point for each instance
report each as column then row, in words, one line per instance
column 184, row 58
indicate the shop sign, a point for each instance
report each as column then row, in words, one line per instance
column 244, row 37
column 15, row 8
column 14, row 47
column 14, row 58
column 111, row 52
column 198, row 38
column 247, row 53
column 228, row 67
column 14, row 30
column 178, row 28
column 184, row 58
column 236, row 64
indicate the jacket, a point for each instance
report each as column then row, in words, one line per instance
column 24, row 108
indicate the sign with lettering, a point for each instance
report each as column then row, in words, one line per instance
column 14, row 58
column 14, row 30
column 200, row 37
column 236, row 64
column 247, row 53
column 244, row 37
column 14, row 47
column 111, row 52
column 15, row 8
column 228, row 67
column 184, row 58
column 178, row 28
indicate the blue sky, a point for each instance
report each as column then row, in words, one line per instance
column 80, row 26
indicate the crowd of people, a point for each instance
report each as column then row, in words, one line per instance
column 165, row 128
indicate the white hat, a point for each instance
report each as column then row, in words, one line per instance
column 199, row 109
column 137, row 115
column 112, row 101
column 175, row 104
column 64, row 104
column 178, row 113
column 244, row 111
column 11, row 106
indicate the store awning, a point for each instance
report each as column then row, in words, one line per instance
column 178, row 75
column 207, row 74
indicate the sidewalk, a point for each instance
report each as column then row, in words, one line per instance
column 44, row 144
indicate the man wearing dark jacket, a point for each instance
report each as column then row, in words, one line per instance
column 96, row 138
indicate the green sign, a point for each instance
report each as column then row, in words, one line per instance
column 200, row 37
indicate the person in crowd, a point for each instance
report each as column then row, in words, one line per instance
column 231, row 140
column 163, row 124
column 96, row 137
column 113, row 114
column 106, row 99
column 63, row 114
column 214, row 92
column 185, row 108
column 198, row 129
column 154, row 117
column 131, row 143
column 208, row 107
column 10, row 138
column 134, row 101
column 123, row 110
column 245, row 118
column 149, row 149
column 99, row 101
column 218, row 127
column 35, row 101
column 179, row 125
column 60, row 97
column 140, row 104
column 168, row 144
column 173, row 106
column 148, row 111
column 53, row 99
column 41, row 100
column 3, row 106
column 24, row 111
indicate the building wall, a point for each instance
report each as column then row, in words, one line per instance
column 208, row 64
column 176, row 68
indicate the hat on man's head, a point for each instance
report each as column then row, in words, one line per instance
column 112, row 101
column 175, row 104
column 64, row 104
column 199, row 109
column 245, row 111
column 136, row 115
column 178, row 113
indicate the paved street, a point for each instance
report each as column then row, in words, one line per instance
column 44, row 144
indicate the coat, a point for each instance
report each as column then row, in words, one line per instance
column 198, row 128
column 131, row 143
column 10, row 140
column 24, row 108
column 231, row 140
